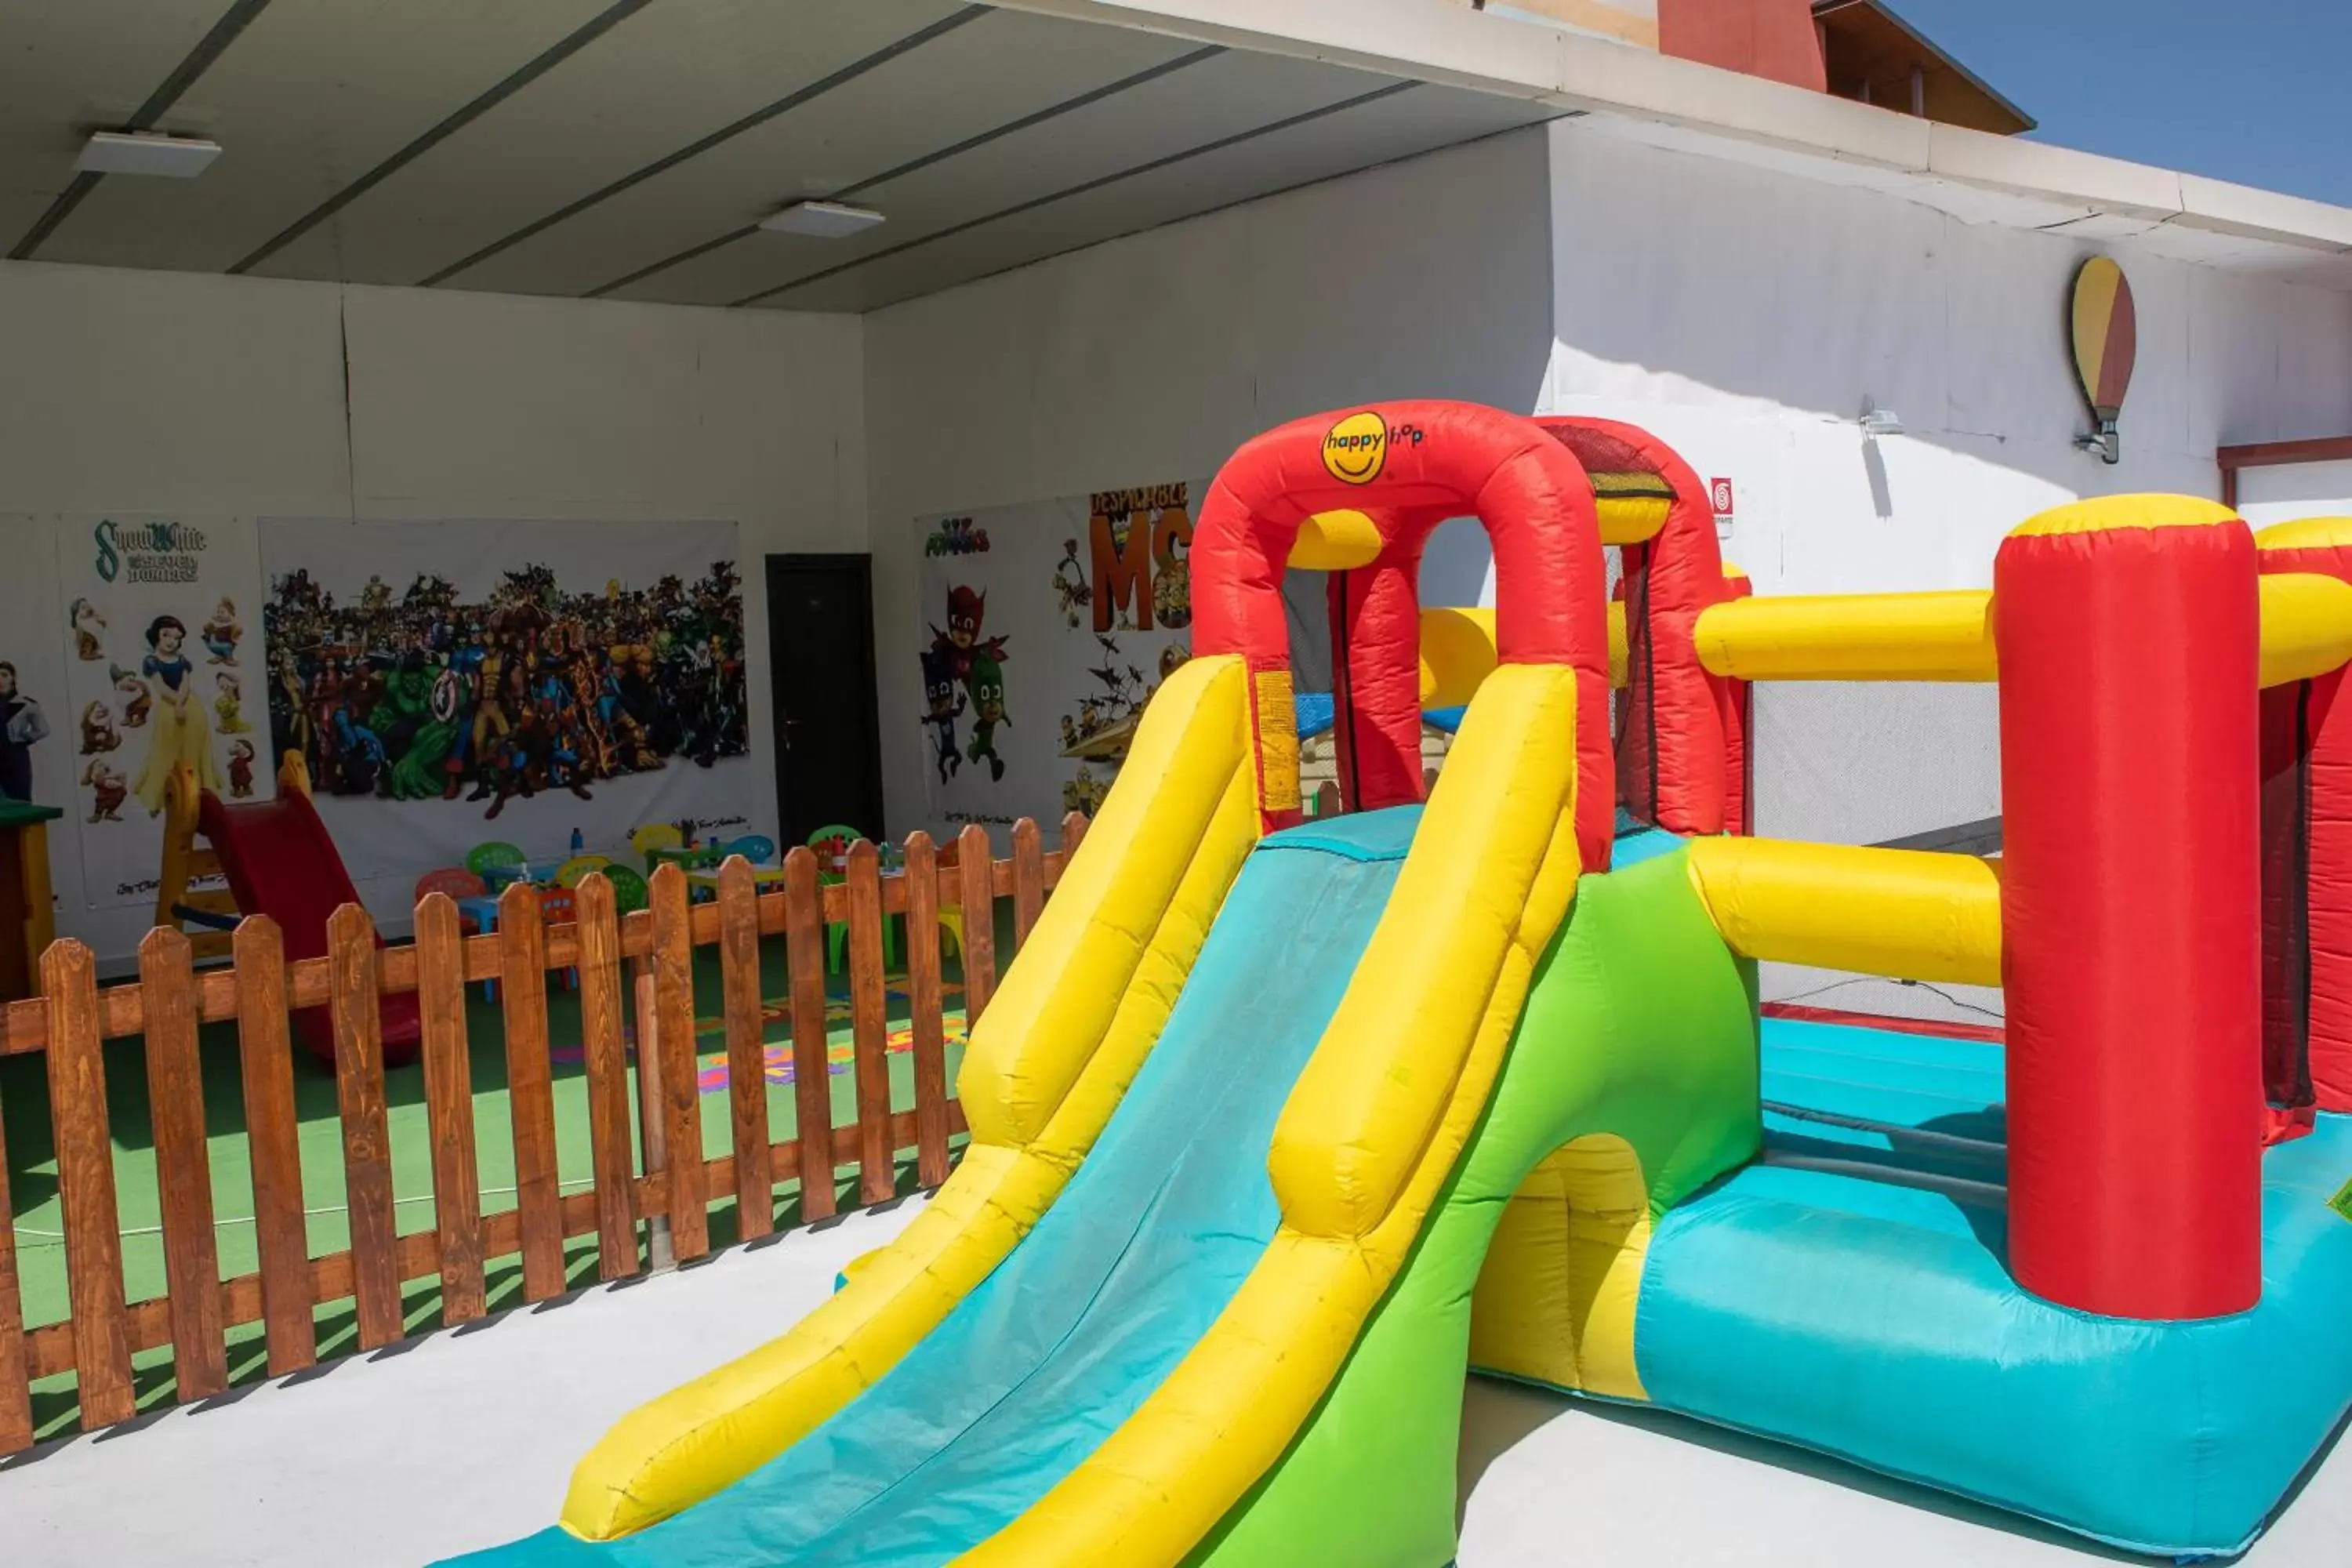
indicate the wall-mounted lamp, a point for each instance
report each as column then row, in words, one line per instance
column 2104, row 327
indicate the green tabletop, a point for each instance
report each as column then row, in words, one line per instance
column 19, row 814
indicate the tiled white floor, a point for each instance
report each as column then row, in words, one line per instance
column 463, row 1440
column 457, row 1441
column 1552, row 1481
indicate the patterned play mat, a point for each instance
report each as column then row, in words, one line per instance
column 776, row 1021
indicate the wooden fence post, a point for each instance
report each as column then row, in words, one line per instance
column 811, row 1062
column 746, row 1047
column 608, row 1079
column 660, row 1256
column 183, row 1183
column 1028, row 878
column 690, row 1228
column 279, row 1235
column 356, row 1002
column 85, row 1153
column 869, row 1025
column 169, row 1004
column 15, row 1361
column 976, row 880
column 531, row 1090
column 449, row 1109
column 924, row 1004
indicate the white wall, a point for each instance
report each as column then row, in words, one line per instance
column 1743, row 314
column 140, row 390
column 1152, row 358
column 1746, row 316
column 2286, row 492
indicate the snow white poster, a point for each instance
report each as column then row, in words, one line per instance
column 162, row 667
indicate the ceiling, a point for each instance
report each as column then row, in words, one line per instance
column 627, row 149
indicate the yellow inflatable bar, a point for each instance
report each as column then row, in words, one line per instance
column 1060, row 1042
column 1336, row 541
column 1457, row 653
column 1849, row 637
column 2306, row 625
column 1906, row 913
column 1364, row 1144
column 2306, row 620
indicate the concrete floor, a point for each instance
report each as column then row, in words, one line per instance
column 450, row 1442
column 462, row 1440
column 1552, row 1481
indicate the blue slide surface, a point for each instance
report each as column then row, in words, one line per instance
column 1100, row 1302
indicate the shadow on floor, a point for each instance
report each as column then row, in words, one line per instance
column 1498, row 1416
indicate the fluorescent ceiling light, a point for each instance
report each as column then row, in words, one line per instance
column 146, row 153
column 822, row 220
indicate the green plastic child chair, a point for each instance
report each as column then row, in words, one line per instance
column 629, row 894
column 483, row 859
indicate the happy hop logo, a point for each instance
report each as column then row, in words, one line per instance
column 1356, row 449
column 147, row 551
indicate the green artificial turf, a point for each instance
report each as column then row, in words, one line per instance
column 33, row 1181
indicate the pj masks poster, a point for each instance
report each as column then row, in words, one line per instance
column 1046, row 627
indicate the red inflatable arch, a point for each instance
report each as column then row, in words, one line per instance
column 1736, row 702
column 1408, row 466
column 1673, row 762
column 2306, row 807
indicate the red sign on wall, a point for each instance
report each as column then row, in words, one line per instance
column 1719, row 492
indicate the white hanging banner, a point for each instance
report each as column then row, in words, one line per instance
column 457, row 683
column 1046, row 627
column 164, row 667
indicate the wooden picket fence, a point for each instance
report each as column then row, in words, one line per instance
column 637, row 1186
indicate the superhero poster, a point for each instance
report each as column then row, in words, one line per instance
column 451, row 684
column 163, row 669
column 1046, row 627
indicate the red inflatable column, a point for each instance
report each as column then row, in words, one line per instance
column 1376, row 678
column 1735, row 700
column 2128, row 636
column 2307, row 786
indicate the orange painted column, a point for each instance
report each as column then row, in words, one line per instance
column 2128, row 634
column 1772, row 38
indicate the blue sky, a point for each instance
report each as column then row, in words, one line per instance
column 2258, row 92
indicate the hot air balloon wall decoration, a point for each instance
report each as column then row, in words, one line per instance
column 2106, row 333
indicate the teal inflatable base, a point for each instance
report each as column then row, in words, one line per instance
column 1850, row 1292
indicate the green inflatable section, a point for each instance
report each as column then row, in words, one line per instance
column 1639, row 1023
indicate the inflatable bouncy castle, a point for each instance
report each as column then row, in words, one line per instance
column 1278, row 1126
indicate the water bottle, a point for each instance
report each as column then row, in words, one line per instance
column 578, row 843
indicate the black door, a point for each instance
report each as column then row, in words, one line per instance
column 829, row 728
